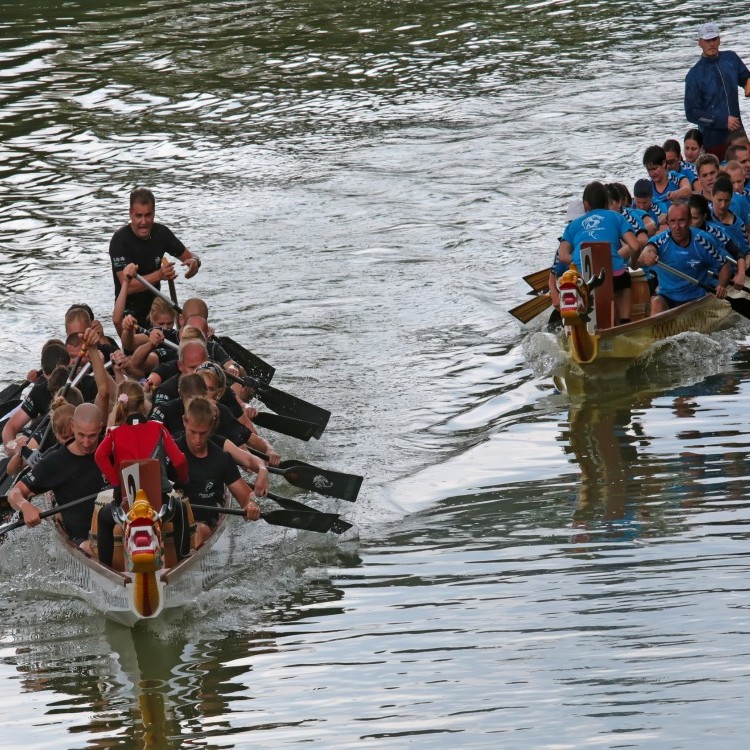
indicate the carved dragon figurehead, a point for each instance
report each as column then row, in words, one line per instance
column 575, row 294
column 576, row 302
column 142, row 535
column 144, row 553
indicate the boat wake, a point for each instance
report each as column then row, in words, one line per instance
column 272, row 565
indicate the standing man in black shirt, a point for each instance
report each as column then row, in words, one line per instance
column 144, row 242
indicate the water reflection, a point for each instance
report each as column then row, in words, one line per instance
column 182, row 678
column 643, row 473
column 135, row 688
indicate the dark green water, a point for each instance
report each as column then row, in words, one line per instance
column 366, row 183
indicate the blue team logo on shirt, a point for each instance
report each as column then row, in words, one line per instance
column 592, row 224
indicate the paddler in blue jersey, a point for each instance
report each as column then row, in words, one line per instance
column 645, row 208
column 689, row 250
column 711, row 99
column 599, row 224
column 676, row 163
column 666, row 185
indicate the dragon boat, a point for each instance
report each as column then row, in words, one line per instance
column 592, row 341
column 150, row 581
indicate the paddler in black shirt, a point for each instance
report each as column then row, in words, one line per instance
column 70, row 471
column 210, row 469
column 144, row 242
column 228, row 433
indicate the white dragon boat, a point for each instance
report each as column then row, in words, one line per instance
column 147, row 586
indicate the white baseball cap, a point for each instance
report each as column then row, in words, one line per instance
column 709, row 31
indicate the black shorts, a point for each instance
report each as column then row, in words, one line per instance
column 621, row 282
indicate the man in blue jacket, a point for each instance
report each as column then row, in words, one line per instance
column 711, row 99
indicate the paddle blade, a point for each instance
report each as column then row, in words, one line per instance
column 538, row 280
column 529, row 310
column 293, row 519
column 254, row 366
column 291, row 406
column 740, row 305
column 8, row 406
column 324, row 482
column 6, row 480
column 12, row 391
column 296, row 428
column 339, row 527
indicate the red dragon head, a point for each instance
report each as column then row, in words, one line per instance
column 574, row 294
column 142, row 536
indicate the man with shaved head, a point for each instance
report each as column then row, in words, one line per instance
column 691, row 251
column 69, row 471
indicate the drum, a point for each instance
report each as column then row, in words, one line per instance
column 640, row 295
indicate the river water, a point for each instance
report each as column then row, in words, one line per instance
column 535, row 565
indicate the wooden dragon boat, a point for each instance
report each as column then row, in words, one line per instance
column 589, row 337
column 147, row 586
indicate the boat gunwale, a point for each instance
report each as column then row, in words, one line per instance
column 661, row 317
column 124, row 578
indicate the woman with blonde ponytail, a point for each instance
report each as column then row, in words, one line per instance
column 131, row 438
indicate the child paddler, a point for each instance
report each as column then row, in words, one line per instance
column 134, row 437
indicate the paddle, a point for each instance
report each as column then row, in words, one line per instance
column 286, row 404
column 296, row 428
column 11, row 392
column 6, row 480
column 538, row 281
column 321, row 522
column 529, row 310
column 46, row 513
column 170, row 282
column 309, row 477
column 338, row 528
column 251, row 363
column 739, row 304
column 8, row 406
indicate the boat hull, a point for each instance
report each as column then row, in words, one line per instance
column 113, row 593
column 620, row 345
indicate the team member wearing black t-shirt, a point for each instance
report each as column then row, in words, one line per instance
column 229, row 434
column 210, row 469
column 70, row 471
column 144, row 242
column 37, row 401
column 94, row 388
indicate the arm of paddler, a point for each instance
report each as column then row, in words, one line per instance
column 105, row 386
column 18, row 420
column 19, row 499
column 126, row 276
column 250, row 462
column 192, row 261
column 144, row 359
column 648, row 256
column 724, row 275
column 262, row 445
column 682, row 192
column 243, row 494
column 739, row 275
column 631, row 249
column 554, row 292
